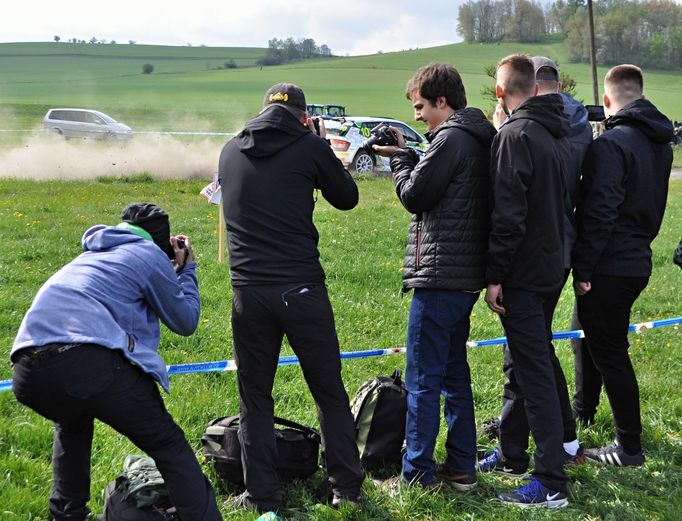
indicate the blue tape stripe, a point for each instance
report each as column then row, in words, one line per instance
column 230, row 365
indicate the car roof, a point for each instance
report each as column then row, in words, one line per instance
column 80, row 110
column 371, row 119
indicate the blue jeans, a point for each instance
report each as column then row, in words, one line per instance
column 437, row 332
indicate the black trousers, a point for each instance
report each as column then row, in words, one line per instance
column 587, row 377
column 261, row 316
column 87, row 382
column 605, row 315
column 514, row 428
column 528, row 324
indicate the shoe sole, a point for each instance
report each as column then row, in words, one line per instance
column 461, row 487
column 612, row 462
column 559, row 503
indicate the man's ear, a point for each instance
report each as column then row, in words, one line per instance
column 536, row 88
column 499, row 91
column 441, row 102
column 606, row 100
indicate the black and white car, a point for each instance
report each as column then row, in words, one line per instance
column 348, row 134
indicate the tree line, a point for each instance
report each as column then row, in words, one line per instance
column 645, row 32
column 284, row 50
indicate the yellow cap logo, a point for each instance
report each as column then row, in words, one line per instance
column 279, row 97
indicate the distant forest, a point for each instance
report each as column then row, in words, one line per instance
column 285, row 50
column 647, row 32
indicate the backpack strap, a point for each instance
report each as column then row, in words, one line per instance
column 308, row 431
column 397, row 377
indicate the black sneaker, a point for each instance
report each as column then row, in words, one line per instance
column 351, row 501
column 458, row 481
column 615, row 455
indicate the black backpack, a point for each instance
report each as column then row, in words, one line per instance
column 138, row 493
column 379, row 409
column 298, row 447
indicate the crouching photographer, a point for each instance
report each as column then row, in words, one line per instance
column 87, row 349
column 447, row 191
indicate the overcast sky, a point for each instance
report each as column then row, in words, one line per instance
column 346, row 26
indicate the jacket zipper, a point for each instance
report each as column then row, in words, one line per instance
column 419, row 241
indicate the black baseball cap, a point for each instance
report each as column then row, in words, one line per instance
column 153, row 220
column 542, row 62
column 285, row 94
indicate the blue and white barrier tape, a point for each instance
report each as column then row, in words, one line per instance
column 231, row 365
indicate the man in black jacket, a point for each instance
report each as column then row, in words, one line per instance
column 268, row 173
column 530, row 160
column 514, row 430
column 448, row 192
column 620, row 210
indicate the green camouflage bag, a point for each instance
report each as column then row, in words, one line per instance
column 142, row 481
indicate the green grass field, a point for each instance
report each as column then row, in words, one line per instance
column 41, row 224
column 40, row 229
column 109, row 78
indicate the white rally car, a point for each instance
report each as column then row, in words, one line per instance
column 348, row 134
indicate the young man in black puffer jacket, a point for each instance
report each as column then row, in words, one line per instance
column 622, row 199
column 448, row 191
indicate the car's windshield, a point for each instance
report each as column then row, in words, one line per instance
column 106, row 118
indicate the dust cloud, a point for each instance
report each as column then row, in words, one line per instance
column 47, row 157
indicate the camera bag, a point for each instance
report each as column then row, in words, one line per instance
column 298, row 447
column 379, row 410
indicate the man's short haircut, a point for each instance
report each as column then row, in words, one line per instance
column 435, row 80
column 625, row 82
column 521, row 77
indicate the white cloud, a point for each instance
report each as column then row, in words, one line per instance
column 347, row 26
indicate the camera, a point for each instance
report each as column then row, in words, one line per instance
column 316, row 124
column 382, row 136
column 595, row 113
column 181, row 244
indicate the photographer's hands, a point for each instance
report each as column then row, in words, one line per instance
column 388, row 151
column 316, row 126
column 183, row 251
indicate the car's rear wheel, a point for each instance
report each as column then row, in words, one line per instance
column 363, row 163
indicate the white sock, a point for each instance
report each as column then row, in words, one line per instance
column 572, row 447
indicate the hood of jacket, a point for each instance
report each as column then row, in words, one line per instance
column 269, row 132
column 101, row 237
column 576, row 114
column 547, row 110
column 643, row 115
column 472, row 121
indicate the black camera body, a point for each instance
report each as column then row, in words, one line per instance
column 382, row 136
column 595, row 113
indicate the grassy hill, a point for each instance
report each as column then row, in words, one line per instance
column 185, row 88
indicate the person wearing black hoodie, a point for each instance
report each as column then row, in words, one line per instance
column 622, row 200
column 448, row 192
column 511, row 454
column 268, row 174
column 530, row 159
